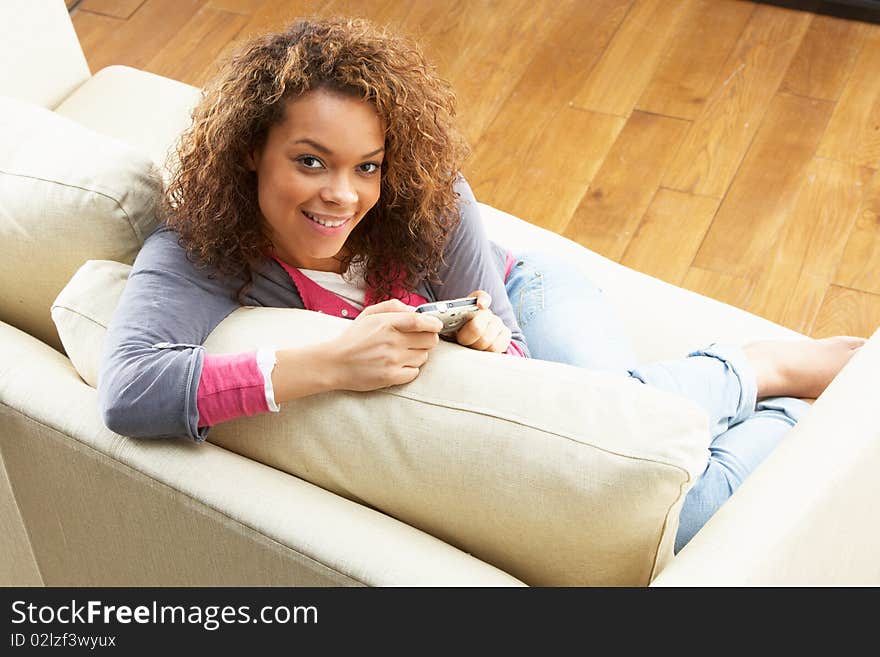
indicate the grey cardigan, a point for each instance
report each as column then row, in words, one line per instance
column 152, row 355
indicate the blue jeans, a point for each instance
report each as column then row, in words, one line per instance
column 566, row 319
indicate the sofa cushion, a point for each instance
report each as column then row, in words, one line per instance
column 557, row 475
column 67, row 194
column 82, row 309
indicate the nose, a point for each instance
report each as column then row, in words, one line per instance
column 340, row 191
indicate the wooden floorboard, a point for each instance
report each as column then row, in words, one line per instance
column 675, row 225
column 698, row 50
column 623, row 188
column 854, row 133
column 720, row 136
column 804, row 259
column 860, row 263
column 728, row 146
column 753, row 212
column 192, row 53
column 826, row 57
column 619, row 79
column 115, row 8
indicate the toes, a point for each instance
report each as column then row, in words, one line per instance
column 849, row 341
column 855, row 342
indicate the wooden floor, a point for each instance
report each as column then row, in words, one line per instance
column 730, row 147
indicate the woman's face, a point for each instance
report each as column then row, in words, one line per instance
column 318, row 174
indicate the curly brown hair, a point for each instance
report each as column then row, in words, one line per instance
column 211, row 200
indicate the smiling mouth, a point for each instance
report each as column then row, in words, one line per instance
column 324, row 220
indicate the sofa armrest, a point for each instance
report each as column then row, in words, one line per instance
column 101, row 509
column 809, row 514
column 118, row 101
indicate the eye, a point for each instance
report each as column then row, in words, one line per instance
column 369, row 168
column 310, row 162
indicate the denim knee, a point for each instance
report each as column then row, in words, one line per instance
column 564, row 315
column 787, row 409
column 529, row 277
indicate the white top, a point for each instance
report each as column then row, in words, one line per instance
column 350, row 285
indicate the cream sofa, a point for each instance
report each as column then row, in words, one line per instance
column 80, row 505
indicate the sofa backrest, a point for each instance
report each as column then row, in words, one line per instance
column 67, row 195
column 42, row 61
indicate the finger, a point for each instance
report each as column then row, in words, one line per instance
column 418, row 357
column 406, row 375
column 484, row 299
column 475, row 327
column 389, row 306
column 502, row 342
column 415, row 322
column 489, row 336
column 414, row 358
column 421, row 340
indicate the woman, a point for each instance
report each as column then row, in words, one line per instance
column 320, row 172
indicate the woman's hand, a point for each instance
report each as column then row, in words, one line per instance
column 385, row 346
column 485, row 331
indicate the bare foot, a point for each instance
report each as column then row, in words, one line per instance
column 799, row 368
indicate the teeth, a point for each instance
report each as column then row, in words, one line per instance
column 323, row 222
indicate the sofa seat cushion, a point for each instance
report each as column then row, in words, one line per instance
column 555, row 474
column 67, row 194
column 147, row 111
